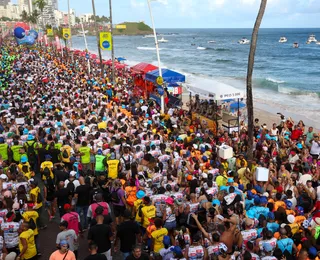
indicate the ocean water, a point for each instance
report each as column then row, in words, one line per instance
column 284, row 77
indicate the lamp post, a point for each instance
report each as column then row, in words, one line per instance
column 85, row 43
column 112, row 49
column 69, row 24
column 97, row 35
column 157, row 49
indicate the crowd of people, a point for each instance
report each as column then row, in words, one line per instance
column 140, row 184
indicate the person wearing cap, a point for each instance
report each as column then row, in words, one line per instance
column 63, row 253
column 27, row 246
column 25, row 168
column 169, row 215
column 100, row 166
column 128, row 232
column 72, row 183
column 46, row 168
column 137, row 205
column 68, row 234
column 72, row 218
column 166, row 253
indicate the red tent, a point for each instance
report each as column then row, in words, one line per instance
column 120, row 66
column 143, row 68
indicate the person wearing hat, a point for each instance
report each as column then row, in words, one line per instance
column 138, row 204
column 128, row 232
column 100, row 166
column 26, row 243
column 166, row 253
column 25, row 168
column 46, row 168
column 169, row 216
column 63, row 253
column 67, row 233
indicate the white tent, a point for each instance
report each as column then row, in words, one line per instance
column 216, row 90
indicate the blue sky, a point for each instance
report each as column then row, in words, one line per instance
column 207, row 13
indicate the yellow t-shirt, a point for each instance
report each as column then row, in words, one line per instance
column 35, row 192
column 294, row 228
column 148, row 212
column 136, row 206
column 242, row 177
column 49, row 165
column 158, row 239
column 221, row 180
column 31, row 251
column 102, row 125
column 113, row 168
column 34, row 215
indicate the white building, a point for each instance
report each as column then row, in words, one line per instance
column 85, row 18
column 11, row 11
column 62, row 17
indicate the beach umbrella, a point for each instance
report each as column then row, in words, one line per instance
column 235, row 105
column 228, row 100
column 93, row 56
column 120, row 66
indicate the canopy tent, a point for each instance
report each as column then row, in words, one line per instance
column 169, row 76
column 143, row 68
column 216, row 90
column 121, row 59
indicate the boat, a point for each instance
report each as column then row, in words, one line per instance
column 211, row 41
column 81, row 32
column 163, row 40
column 295, row 45
column 312, row 38
column 201, row 48
column 318, row 42
column 244, row 41
column 283, row 40
column 148, row 36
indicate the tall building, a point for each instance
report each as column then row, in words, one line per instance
column 4, row 2
column 48, row 13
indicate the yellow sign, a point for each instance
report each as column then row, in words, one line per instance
column 66, row 33
column 121, row 26
column 105, row 41
column 206, row 123
column 49, row 32
column 160, row 80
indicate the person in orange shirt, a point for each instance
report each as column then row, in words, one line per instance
column 131, row 191
column 149, row 230
column 279, row 202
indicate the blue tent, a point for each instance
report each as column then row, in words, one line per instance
column 235, row 105
column 169, row 76
column 121, row 59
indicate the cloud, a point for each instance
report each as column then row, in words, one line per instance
column 137, row 3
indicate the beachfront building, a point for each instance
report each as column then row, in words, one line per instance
column 10, row 10
column 86, row 18
column 61, row 18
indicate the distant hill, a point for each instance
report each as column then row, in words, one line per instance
column 133, row 29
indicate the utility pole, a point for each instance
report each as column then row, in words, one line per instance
column 112, row 49
column 98, row 37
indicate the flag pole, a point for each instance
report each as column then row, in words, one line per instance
column 86, row 44
column 158, row 53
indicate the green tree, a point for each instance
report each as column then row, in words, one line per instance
column 77, row 20
column 40, row 4
column 253, row 48
column 33, row 18
column 24, row 16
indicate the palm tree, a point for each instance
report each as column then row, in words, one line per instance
column 253, row 48
column 24, row 16
column 97, row 35
column 41, row 4
column 33, row 18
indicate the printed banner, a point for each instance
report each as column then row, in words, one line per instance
column 121, row 26
column 57, row 43
column 105, row 41
column 66, row 33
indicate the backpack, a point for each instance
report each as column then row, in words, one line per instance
column 71, row 187
column 31, row 152
column 127, row 163
column 46, row 171
column 65, row 154
column 32, row 224
column 114, row 198
column 39, row 198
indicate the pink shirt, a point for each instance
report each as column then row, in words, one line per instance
column 73, row 220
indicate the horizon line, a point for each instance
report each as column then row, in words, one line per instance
column 239, row 28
